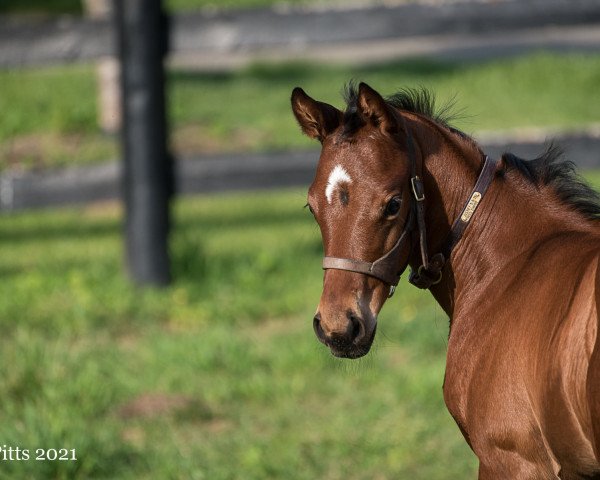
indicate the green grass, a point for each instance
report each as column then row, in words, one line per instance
column 494, row 95
column 218, row 376
column 594, row 178
column 249, row 110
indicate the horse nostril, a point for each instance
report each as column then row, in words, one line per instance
column 357, row 328
column 317, row 326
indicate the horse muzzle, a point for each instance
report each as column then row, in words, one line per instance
column 348, row 336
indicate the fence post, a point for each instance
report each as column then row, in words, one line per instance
column 107, row 73
column 148, row 169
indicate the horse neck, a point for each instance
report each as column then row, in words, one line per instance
column 451, row 165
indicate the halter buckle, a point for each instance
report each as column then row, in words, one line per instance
column 417, row 188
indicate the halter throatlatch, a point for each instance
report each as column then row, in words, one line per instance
column 387, row 268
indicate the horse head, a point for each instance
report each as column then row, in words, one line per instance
column 361, row 199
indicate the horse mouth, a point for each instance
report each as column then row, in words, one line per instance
column 354, row 351
column 351, row 354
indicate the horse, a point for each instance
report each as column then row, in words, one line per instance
column 509, row 248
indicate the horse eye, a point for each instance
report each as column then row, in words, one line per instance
column 393, row 207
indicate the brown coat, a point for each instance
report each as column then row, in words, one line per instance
column 521, row 288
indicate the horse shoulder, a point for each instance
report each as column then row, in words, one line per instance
column 512, row 370
column 486, row 392
column 593, row 374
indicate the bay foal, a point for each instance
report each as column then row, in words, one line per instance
column 515, row 265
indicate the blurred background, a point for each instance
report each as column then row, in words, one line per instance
column 206, row 367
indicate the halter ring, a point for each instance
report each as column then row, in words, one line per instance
column 420, row 272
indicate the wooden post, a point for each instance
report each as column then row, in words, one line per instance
column 148, row 171
column 107, row 74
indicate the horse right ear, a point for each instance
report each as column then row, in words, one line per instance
column 317, row 119
column 374, row 108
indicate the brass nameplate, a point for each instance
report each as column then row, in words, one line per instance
column 471, row 206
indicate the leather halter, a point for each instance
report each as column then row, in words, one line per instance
column 386, row 268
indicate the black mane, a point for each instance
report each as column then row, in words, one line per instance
column 549, row 169
column 415, row 100
column 553, row 170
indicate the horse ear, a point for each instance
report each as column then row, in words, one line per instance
column 374, row 109
column 317, row 119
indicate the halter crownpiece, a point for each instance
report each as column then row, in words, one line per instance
column 386, row 268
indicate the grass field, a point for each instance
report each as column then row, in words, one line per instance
column 49, row 115
column 219, row 376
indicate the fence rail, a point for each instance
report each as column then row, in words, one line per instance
column 227, row 172
column 70, row 39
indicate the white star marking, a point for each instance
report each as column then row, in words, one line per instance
column 337, row 175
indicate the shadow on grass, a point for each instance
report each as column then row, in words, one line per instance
column 183, row 226
column 244, row 219
column 57, row 231
column 95, row 229
column 192, row 263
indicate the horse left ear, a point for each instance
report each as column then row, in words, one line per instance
column 374, row 109
column 317, row 119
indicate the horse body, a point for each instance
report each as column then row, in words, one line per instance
column 517, row 379
column 521, row 288
column 523, row 354
column 521, row 335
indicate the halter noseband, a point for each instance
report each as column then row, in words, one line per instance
column 386, row 268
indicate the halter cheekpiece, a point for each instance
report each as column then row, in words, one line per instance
column 386, row 268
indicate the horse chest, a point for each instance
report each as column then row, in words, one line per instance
column 461, row 370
